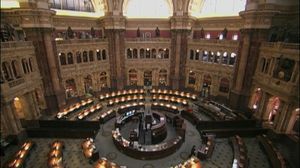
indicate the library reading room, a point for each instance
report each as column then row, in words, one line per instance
column 149, row 84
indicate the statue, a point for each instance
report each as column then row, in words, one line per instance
column 224, row 33
column 93, row 33
column 202, row 33
column 138, row 33
column 7, row 32
column 70, row 33
column 157, row 32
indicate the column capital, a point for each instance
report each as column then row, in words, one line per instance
column 182, row 23
column 258, row 19
column 114, row 22
column 30, row 18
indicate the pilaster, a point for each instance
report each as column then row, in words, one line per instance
column 254, row 32
column 180, row 30
column 115, row 32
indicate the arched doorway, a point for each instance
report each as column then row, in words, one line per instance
column 71, row 90
column 272, row 109
column 206, row 86
column 162, row 78
column 88, row 84
column 103, row 79
column 224, row 85
column 255, row 99
column 132, row 76
column 148, row 78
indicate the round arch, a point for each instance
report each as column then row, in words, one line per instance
column 147, row 9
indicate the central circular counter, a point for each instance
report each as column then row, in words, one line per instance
column 146, row 152
column 158, row 148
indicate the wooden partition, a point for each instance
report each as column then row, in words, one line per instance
column 274, row 156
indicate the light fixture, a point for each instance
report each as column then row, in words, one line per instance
column 97, row 50
column 197, row 51
column 16, row 98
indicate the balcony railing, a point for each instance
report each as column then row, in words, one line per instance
column 80, row 41
column 281, row 45
column 16, row 44
column 141, row 39
column 277, row 84
column 215, row 41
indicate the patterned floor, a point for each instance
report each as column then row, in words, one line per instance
column 73, row 157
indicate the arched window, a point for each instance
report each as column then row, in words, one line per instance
column 78, row 57
column 263, row 64
column 163, row 76
column 7, row 71
column 232, row 59
column 205, row 56
column 25, row 66
column 85, row 56
column 15, row 68
column 70, row 58
column 103, row 79
column 166, row 53
column 217, row 57
column 88, row 84
column 98, row 53
column 148, row 53
column 153, row 53
column 160, row 53
column 197, row 55
column 135, row 53
column 1, row 77
column 103, row 54
column 255, row 99
column 31, row 65
column 142, row 53
column 225, row 58
column 211, row 56
column 235, row 37
column 224, row 85
column 71, row 90
column 191, row 54
column 147, row 78
column 133, row 77
column 62, row 57
column 207, row 36
column 147, row 9
column 192, row 78
column 129, row 53
column 91, row 56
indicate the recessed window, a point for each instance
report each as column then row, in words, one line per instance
column 235, row 37
column 207, row 36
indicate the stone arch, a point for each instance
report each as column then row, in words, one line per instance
column 70, row 88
